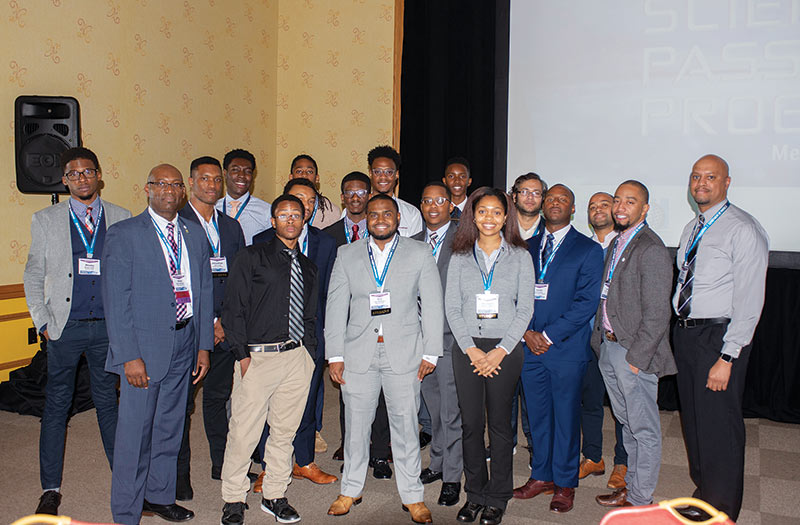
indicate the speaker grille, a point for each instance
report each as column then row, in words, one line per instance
column 31, row 127
column 61, row 128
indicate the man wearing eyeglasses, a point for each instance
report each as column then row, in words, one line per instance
column 269, row 320
column 63, row 292
column 159, row 303
column 384, row 168
column 527, row 192
column 239, row 169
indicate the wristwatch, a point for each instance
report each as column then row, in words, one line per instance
column 727, row 358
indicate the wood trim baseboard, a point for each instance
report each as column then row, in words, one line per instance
column 14, row 317
column 12, row 291
column 399, row 8
column 15, row 364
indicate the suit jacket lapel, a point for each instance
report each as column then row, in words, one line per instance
column 562, row 254
column 313, row 243
column 534, row 244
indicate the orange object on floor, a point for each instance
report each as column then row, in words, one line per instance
column 665, row 513
column 258, row 483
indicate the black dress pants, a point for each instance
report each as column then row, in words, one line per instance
column 712, row 421
column 478, row 397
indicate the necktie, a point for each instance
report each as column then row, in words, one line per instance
column 89, row 222
column 433, row 240
column 295, row 298
column 234, row 207
column 355, row 232
column 180, row 313
column 548, row 249
column 685, row 295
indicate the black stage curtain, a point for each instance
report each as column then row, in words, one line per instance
column 447, row 91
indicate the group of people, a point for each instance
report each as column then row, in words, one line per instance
column 461, row 311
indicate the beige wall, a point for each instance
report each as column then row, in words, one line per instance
column 166, row 81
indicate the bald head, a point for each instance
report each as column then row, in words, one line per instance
column 163, row 168
column 165, row 190
column 599, row 211
column 709, row 181
column 714, row 160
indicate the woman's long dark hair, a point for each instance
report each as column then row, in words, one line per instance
column 467, row 232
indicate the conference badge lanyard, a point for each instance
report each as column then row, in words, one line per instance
column 218, row 264
column 695, row 240
column 240, row 210
column 614, row 261
column 380, row 301
column 304, row 248
column 439, row 245
column 314, row 214
column 487, row 304
column 180, row 282
column 541, row 288
column 349, row 235
column 88, row 265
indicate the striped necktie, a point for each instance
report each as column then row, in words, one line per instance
column 685, row 295
column 180, row 313
column 296, row 330
column 89, row 222
column 548, row 249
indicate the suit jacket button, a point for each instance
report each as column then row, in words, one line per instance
column 70, row 275
column 172, row 328
column 376, row 330
column 67, row 299
column 172, row 304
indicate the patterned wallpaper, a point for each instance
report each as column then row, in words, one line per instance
column 167, row 81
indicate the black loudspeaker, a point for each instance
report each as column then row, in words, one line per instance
column 44, row 127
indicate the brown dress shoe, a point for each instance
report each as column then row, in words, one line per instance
column 590, row 467
column 258, row 483
column 314, row 473
column 617, row 479
column 419, row 512
column 342, row 505
column 563, row 499
column 618, row 498
column 533, row 488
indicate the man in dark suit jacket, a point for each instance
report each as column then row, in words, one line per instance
column 158, row 300
column 225, row 239
column 321, row 249
column 569, row 269
column 631, row 338
column 439, row 387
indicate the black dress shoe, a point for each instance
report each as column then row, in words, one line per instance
column 49, row 502
column 424, row 439
column 380, row 468
column 339, row 454
column 183, row 488
column 693, row 513
column 451, row 492
column 280, row 508
column 173, row 512
column 216, row 472
column 429, row 476
column 469, row 512
column 491, row 515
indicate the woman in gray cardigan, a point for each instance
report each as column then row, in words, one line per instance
column 489, row 303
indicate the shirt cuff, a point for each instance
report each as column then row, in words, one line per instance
column 336, row 359
column 504, row 349
column 731, row 349
column 432, row 359
column 548, row 339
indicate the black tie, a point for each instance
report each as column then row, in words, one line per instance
column 295, row 299
column 685, row 295
column 548, row 249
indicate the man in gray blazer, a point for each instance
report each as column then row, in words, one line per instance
column 439, row 387
column 631, row 337
column 375, row 338
column 63, row 291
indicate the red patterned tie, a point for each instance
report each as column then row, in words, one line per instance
column 89, row 222
column 181, row 309
column 355, row 232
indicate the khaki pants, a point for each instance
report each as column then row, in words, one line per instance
column 274, row 390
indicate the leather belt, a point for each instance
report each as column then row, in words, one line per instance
column 180, row 325
column 274, row 347
column 685, row 322
column 90, row 319
column 610, row 336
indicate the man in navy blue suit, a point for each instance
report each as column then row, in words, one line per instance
column 158, row 301
column 225, row 239
column 321, row 249
column 569, row 269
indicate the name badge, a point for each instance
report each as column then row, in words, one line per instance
column 219, row 265
column 682, row 274
column 604, row 293
column 180, row 283
column 380, row 303
column 540, row 291
column 487, row 305
column 88, row 266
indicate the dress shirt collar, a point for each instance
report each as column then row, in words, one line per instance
column 527, row 234
column 558, row 235
column 490, row 259
column 610, row 236
column 624, row 236
column 711, row 211
column 386, row 247
column 243, row 198
column 202, row 219
column 161, row 221
column 461, row 206
column 80, row 208
column 441, row 232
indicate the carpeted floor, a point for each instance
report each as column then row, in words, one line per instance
column 772, row 481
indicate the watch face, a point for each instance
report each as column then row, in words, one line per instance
column 727, row 358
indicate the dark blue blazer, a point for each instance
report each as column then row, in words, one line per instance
column 138, row 299
column 322, row 252
column 575, row 277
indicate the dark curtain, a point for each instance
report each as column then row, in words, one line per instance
column 447, row 91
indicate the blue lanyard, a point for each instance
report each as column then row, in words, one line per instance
column 215, row 249
column 613, row 264
column 314, row 214
column 543, row 271
column 439, row 245
column 89, row 247
column 305, row 241
column 702, row 231
column 539, row 227
column 379, row 280
column 487, row 279
column 172, row 254
column 240, row 210
column 348, row 234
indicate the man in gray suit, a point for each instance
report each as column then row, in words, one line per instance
column 439, row 387
column 631, row 337
column 63, row 291
column 375, row 338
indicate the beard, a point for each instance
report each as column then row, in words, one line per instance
column 382, row 237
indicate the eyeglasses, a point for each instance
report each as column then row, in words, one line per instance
column 284, row 217
column 529, row 193
column 388, row 172
column 161, row 185
column 235, row 170
column 88, row 173
column 351, row 193
column 304, row 171
column 439, row 201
